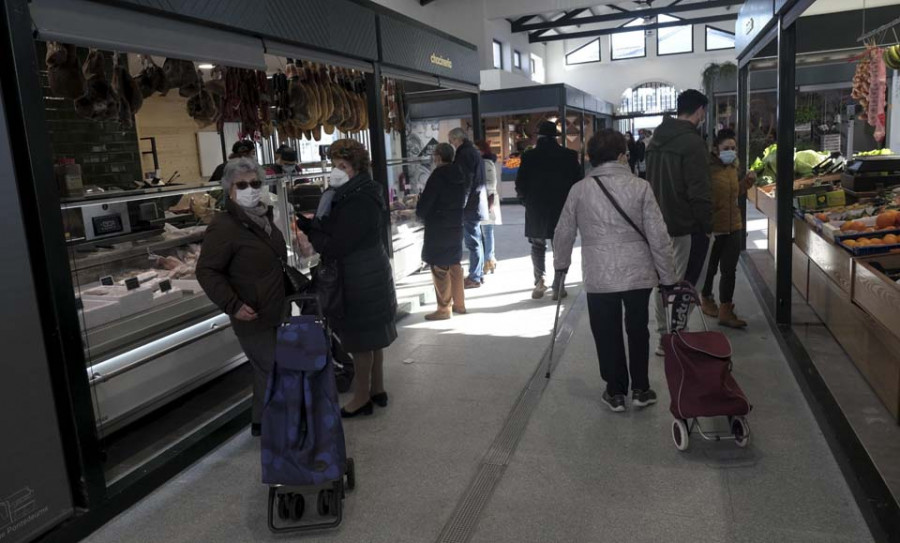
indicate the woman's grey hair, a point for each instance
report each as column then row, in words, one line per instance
column 458, row 134
column 445, row 151
column 237, row 167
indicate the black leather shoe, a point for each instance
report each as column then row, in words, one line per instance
column 256, row 430
column 380, row 399
column 365, row 410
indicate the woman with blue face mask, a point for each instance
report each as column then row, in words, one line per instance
column 727, row 228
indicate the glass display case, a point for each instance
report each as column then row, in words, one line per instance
column 148, row 330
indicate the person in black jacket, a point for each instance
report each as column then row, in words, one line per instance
column 240, row 149
column 468, row 158
column 632, row 151
column 441, row 209
column 545, row 176
column 347, row 232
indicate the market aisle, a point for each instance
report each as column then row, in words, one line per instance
column 580, row 473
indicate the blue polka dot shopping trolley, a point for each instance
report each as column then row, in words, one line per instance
column 304, row 459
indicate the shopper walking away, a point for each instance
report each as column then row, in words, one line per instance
column 240, row 270
column 625, row 252
column 545, row 177
column 632, row 152
column 440, row 207
column 678, row 172
column 495, row 218
column 640, row 149
column 727, row 228
column 469, row 160
column 240, row 149
column 347, row 234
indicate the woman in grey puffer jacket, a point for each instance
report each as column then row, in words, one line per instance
column 621, row 263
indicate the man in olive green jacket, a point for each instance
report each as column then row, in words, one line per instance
column 678, row 172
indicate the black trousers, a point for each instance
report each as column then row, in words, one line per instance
column 539, row 260
column 605, row 312
column 726, row 251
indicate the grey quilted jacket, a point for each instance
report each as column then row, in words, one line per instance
column 614, row 257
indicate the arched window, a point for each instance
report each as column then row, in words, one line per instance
column 649, row 99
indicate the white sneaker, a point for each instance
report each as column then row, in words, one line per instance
column 659, row 349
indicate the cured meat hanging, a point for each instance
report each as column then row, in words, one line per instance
column 242, row 102
column 99, row 101
column 877, row 93
column 393, row 104
column 63, row 70
column 152, row 78
column 129, row 94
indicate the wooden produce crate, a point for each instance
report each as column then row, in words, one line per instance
column 832, row 259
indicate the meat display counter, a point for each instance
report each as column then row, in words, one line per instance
column 149, row 332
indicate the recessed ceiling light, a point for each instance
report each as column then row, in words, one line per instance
column 206, row 66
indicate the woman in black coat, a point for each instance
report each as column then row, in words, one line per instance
column 347, row 233
column 441, row 208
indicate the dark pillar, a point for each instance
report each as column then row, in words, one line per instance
column 787, row 49
column 743, row 134
column 477, row 127
column 378, row 148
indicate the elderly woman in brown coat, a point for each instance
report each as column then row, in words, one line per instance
column 240, row 270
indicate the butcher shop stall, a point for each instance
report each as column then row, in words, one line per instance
column 511, row 118
column 122, row 113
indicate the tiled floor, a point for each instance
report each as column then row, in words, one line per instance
column 580, row 473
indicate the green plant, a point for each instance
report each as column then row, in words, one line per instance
column 714, row 72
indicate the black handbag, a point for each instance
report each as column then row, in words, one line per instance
column 328, row 285
column 295, row 282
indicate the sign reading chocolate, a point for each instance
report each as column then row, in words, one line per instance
column 441, row 61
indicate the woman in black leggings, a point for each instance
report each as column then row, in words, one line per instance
column 727, row 229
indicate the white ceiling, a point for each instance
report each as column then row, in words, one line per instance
column 834, row 6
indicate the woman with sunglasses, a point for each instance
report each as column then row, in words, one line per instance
column 241, row 272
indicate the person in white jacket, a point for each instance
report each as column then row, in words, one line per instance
column 626, row 252
column 491, row 182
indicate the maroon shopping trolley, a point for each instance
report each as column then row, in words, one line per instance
column 698, row 371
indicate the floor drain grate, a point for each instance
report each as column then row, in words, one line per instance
column 461, row 526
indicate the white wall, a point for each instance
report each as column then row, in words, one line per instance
column 608, row 79
column 502, row 79
column 501, row 31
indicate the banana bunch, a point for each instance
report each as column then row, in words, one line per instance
column 892, row 57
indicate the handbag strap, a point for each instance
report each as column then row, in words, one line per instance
column 619, row 208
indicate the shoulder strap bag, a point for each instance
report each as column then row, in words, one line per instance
column 295, row 282
column 619, row 209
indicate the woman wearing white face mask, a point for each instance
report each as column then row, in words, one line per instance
column 347, row 232
column 727, row 228
column 240, row 269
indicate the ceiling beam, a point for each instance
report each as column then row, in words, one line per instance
column 566, row 17
column 425, row 2
column 617, row 8
column 621, row 29
column 652, row 12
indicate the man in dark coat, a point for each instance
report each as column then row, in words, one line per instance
column 678, row 171
column 240, row 149
column 441, row 209
column 468, row 158
column 545, row 176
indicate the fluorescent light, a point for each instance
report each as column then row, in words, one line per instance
column 206, row 66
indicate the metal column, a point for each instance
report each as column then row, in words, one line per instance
column 743, row 141
column 787, row 50
column 477, row 128
column 377, row 145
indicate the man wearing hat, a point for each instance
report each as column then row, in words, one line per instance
column 545, row 176
column 286, row 161
column 240, row 149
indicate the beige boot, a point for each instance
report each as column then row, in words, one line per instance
column 709, row 306
column 458, row 289
column 728, row 318
column 441, row 277
column 539, row 290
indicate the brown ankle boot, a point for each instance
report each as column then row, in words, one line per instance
column 443, row 293
column 728, row 318
column 458, row 289
column 709, row 306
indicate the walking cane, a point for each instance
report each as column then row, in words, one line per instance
column 562, row 282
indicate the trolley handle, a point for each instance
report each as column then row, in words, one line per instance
column 677, row 302
column 299, row 299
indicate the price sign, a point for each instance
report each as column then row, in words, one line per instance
column 132, row 283
column 107, row 281
column 165, row 286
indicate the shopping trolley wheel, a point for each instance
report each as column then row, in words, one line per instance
column 680, row 435
column 284, row 507
column 741, row 431
column 326, row 503
column 297, row 506
column 351, row 474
